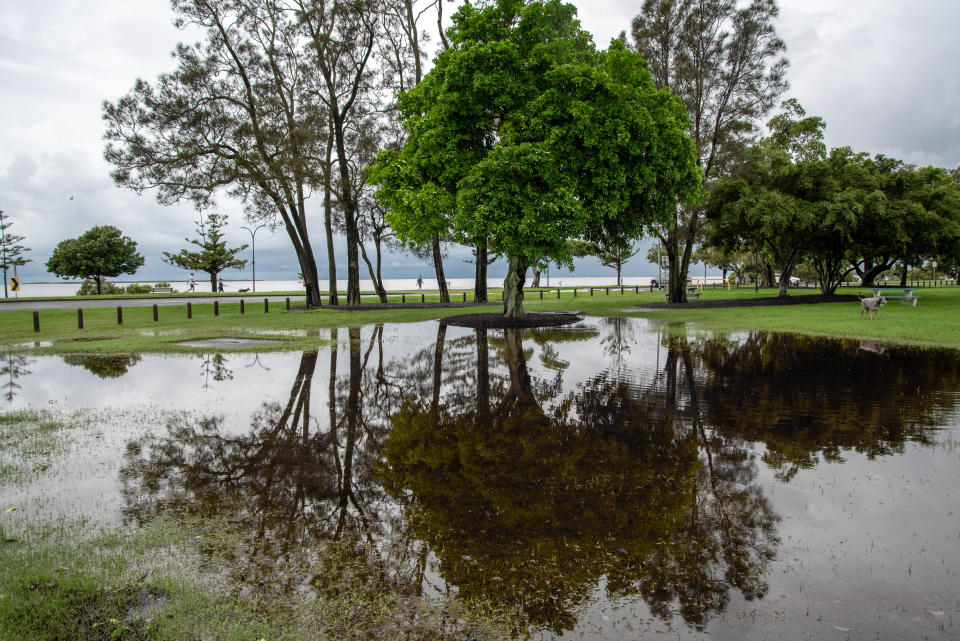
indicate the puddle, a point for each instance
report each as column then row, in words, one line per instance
column 604, row 481
column 229, row 343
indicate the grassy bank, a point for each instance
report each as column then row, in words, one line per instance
column 934, row 322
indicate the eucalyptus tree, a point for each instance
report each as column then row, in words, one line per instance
column 525, row 135
column 342, row 37
column 11, row 251
column 727, row 65
column 237, row 115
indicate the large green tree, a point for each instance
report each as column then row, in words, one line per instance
column 101, row 251
column 11, row 251
column 727, row 65
column 213, row 256
column 523, row 136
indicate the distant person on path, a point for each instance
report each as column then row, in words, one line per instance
column 220, row 285
column 420, row 282
column 192, row 284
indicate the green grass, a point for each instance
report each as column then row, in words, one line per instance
column 28, row 442
column 934, row 322
column 61, row 581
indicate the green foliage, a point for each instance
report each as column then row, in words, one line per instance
column 11, row 251
column 101, row 251
column 91, row 287
column 524, row 136
column 138, row 288
column 213, row 256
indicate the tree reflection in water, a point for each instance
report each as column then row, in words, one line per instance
column 104, row 365
column 532, row 496
column 523, row 488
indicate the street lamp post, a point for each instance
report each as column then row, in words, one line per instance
column 253, row 251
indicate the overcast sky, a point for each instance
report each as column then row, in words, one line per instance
column 883, row 73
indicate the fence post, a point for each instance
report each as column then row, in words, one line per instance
column 423, row 298
column 216, row 308
column 541, row 294
column 591, row 291
column 608, row 291
column 242, row 307
column 266, row 305
column 36, row 321
column 79, row 318
column 189, row 310
column 119, row 315
column 156, row 313
column 464, row 296
column 288, row 303
column 403, row 298
column 574, row 293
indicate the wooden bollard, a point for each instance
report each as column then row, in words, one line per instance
column 288, row 303
column 79, row 319
column 36, row 321
column 591, row 291
column 608, row 291
column 189, row 310
column 241, row 306
column 621, row 290
column 558, row 293
column 423, row 298
column 119, row 315
column 216, row 308
column 156, row 314
column 464, row 296
column 541, row 294
column 266, row 305
column 403, row 298
column 574, row 293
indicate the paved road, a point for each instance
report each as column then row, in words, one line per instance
column 86, row 303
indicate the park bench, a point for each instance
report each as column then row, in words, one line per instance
column 907, row 298
column 162, row 290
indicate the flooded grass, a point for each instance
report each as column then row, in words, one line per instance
column 601, row 481
column 63, row 581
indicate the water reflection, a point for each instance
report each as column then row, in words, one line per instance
column 12, row 367
column 498, row 465
column 103, row 365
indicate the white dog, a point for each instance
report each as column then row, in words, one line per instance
column 871, row 305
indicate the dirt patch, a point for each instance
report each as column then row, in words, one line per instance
column 767, row 301
column 498, row 321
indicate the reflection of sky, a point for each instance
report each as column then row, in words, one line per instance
column 868, row 547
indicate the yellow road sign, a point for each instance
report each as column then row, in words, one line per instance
column 15, row 284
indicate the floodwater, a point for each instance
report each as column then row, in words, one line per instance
column 608, row 480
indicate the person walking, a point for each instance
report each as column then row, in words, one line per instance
column 192, row 284
column 220, row 285
column 419, row 281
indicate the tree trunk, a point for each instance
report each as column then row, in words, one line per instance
column 438, row 268
column 536, row 277
column 903, row 275
column 438, row 370
column 480, row 274
column 513, row 288
column 676, row 279
column 377, row 284
column 619, row 268
column 328, row 225
column 100, row 282
column 213, row 282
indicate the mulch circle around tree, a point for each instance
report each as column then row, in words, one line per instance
column 498, row 321
column 753, row 302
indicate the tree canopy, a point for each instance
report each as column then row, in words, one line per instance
column 100, row 251
column 524, row 136
column 214, row 255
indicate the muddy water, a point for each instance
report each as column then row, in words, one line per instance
column 609, row 480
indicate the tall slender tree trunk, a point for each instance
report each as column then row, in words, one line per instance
column 513, row 288
column 438, row 267
column 903, row 275
column 480, row 276
column 374, row 274
column 328, row 222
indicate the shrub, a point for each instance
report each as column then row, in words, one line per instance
column 89, row 288
column 137, row 288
